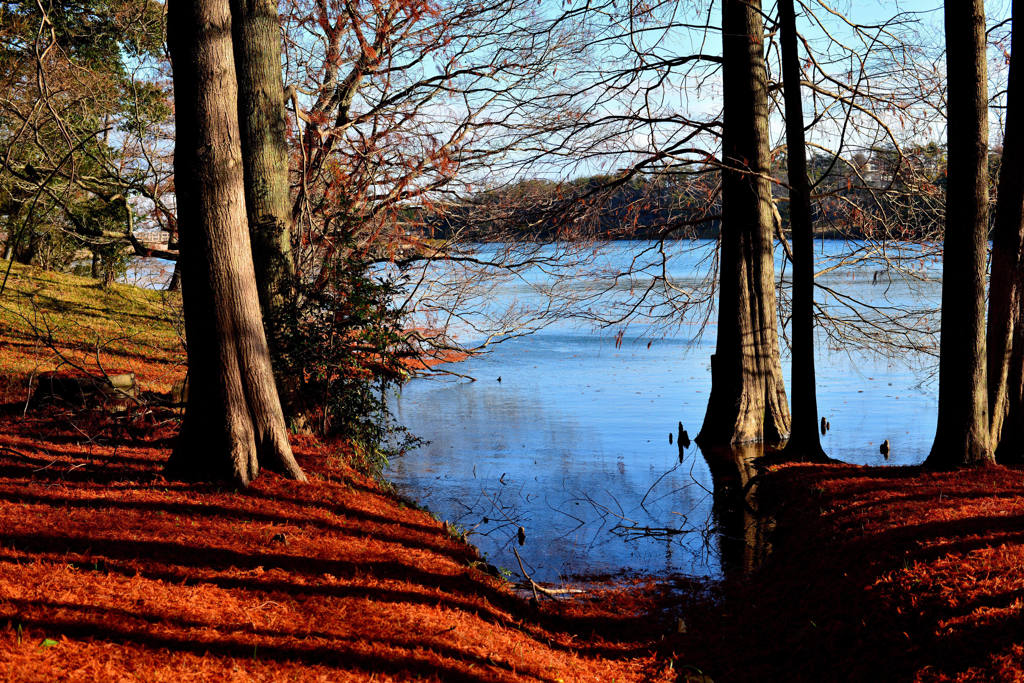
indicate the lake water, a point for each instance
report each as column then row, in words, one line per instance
column 572, row 443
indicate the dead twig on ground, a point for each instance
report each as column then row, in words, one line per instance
column 538, row 589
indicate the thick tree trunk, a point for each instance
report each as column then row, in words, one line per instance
column 257, row 43
column 804, row 443
column 263, row 122
column 233, row 421
column 748, row 399
column 962, row 437
column 1004, row 350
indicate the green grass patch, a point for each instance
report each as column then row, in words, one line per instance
column 54, row 321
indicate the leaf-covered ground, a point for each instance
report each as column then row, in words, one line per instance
column 108, row 571
column 56, row 321
column 879, row 574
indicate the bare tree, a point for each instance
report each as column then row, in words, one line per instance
column 405, row 116
column 1005, row 337
column 748, row 399
column 803, row 443
column 962, row 436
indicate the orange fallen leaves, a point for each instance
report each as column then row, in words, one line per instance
column 138, row 577
column 908, row 575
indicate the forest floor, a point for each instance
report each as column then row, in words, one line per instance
column 109, row 571
column 877, row 574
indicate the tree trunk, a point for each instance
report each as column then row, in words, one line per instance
column 174, row 285
column 26, row 248
column 804, row 443
column 257, row 43
column 1004, row 301
column 233, row 422
column 262, row 118
column 962, row 437
column 1010, row 447
column 748, row 399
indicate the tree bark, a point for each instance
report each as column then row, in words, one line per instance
column 1006, row 386
column 233, row 421
column 261, row 110
column 263, row 122
column 804, row 443
column 962, row 436
column 174, row 285
column 748, row 399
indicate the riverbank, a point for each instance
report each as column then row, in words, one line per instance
column 108, row 571
column 877, row 574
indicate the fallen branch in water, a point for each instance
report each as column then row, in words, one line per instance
column 633, row 532
column 537, row 588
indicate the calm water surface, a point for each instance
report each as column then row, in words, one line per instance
column 572, row 443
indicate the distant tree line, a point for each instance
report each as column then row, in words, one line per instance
column 883, row 193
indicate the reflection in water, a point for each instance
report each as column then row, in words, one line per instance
column 744, row 528
column 573, row 443
column 593, row 494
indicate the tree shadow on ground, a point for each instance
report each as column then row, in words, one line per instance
column 878, row 574
column 98, row 547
